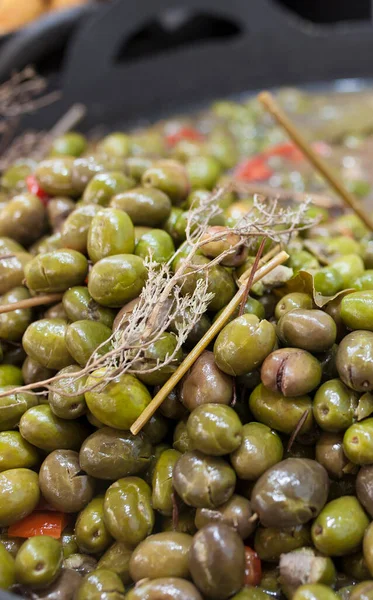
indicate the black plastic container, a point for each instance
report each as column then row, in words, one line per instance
column 135, row 61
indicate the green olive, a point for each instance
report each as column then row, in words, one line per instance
column 162, row 348
column 13, row 406
column 19, row 492
column 66, row 398
column 334, row 406
column 12, row 270
column 56, row 271
column 357, row 442
column 271, row 542
column 243, row 344
column 169, row 176
column 10, row 375
column 87, row 338
column 69, row 545
column 161, row 555
column 74, row 231
column 144, row 206
column 314, row 591
column 55, row 176
column 368, row 547
column 363, row 591
column 354, row 360
column 39, row 561
column 311, row 330
column 162, row 481
column 23, row 219
column 117, row 559
column 164, row 588
column 104, row 186
column 7, row 569
column 14, row 324
column 91, row 533
column 349, row 267
column 364, row 282
column 357, row 310
column 40, row 427
column 69, row 144
column 128, row 513
column 115, row 144
column 203, row 171
column 156, row 243
column 115, row 280
column 214, row 429
column 99, row 585
column 260, row 449
column 330, row 454
column 44, row 341
column 340, row 526
column 15, row 452
column 79, row 304
column 111, row 232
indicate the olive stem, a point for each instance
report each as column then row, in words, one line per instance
column 30, row 302
column 270, row 104
column 215, row 328
column 282, row 194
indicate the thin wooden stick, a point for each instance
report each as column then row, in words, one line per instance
column 71, row 118
column 320, row 165
column 31, row 302
column 202, row 344
column 282, row 194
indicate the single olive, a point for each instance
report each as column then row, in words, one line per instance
column 364, row 488
column 144, row 206
column 291, row 492
column 302, row 260
column 128, row 513
column 162, row 481
column 334, row 406
column 156, row 243
column 13, row 406
column 271, row 542
column 135, row 166
column 156, row 428
column 7, row 569
column 220, row 282
column 163, row 349
column 161, row 555
column 115, row 280
column 185, row 522
column 120, row 403
column 112, row 454
column 79, row 305
column 23, row 219
column 357, row 442
column 205, row 383
column 117, row 559
column 170, row 225
column 357, row 310
column 314, row 591
column 349, row 267
column 164, row 588
column 80, row 563
column 214, row 429
column 364, row 281
column 236, row 513
column 99, row 585
column 15, row 452
column 362, row 591
column 62, row 482
column 243, row 344
column 55, row 176
column 260, row 449
column 203, row 171
column 58, row 209
column 311, row 330
column 280, row 413
column 12, row 269
column 66, row 399
column 44, row 341
column 83, row 169
column 92, row 535
column 203, row 481
column 69, row 545
column 104, row 186
column 68, row 144
column 14, row 177
column 355, row 359
column 181, row 439
column 115, row 144
column 56, row 311
column 330, row 454
column 291, row 371
column 10, row 375
column 340, row 526
column 63, row 588
column 19, row 492
column 171, row 407
column 169, row 176
column 74, row 230
column 111, row 232
column 14, row 324
column 368, row 547
column 85, row 338
column 218, row 240
column 56, row 271
column 355, row 566
column 217, row 561
column 40, row 427
column 33, row 372
column 328, row 281
column 39, row 561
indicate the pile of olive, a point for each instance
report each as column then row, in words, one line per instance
column 255, row 477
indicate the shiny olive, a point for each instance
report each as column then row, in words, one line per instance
column 203, row 481
column 330, row 454
column 157, row 243
column 314, row 591
column 103, row 186
column 15, row 452
column 23, row 219
column 181, row 439
column 14, row 324
column 79, row 305
column 355, row 360
column 32, row 371
column 112, row 454
column 164, row 588
column 66, row 398
column 214, row 429
column 56, row 271
column 7, row 569
column 44, row 341
column 357, row 442
column 291, row 492
column 12, row 270
column 205, row 383
column 243, row 344
column 363, row 591
column 128, row 513
column 58, row 209
column 13, row 406
column 280, row 413
column 99, row 585
column 271, row 542
column 87, row 338
column 311, row 330
column 236, row 513
column 170, row 177
column 217, row 561
column 357, row 310
column 291, row 371
column 91, row 533
column 144, row 206
column 157, row 352
column 62, row 482
column 43, row 429
column 69, row 545
column 161, row 555
column 10, row 375
column 368, row 547
column 115, row 144
column 39, row 561
column 117, row 559
column 19, row 492
column 62, row 588
column 340, row 526
column 364, row 488
column 74, row 231
column 115, row 280
column 162, row 481
column 260, row 449
column 69, row 144
column 80, row 563
column 121, row 401
column 334, row 406
column 55, row 176
column 110, row 232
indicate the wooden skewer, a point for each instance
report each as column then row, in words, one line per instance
column 282, row 194
column 31, row 302
column 272, row 107
column 202, row 344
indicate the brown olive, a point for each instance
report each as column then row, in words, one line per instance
column 236, row 513
column 205, row 383
column 364, row 488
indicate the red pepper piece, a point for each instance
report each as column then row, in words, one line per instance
column 253, row 169
column 253, row 567
column 184, row 133
column 39, row 523
column 35, row 189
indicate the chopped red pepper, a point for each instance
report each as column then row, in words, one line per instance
column 253, row 169
column 39, row 523
column 287, row 150
column 34, row 188
column 253, row 567
column 184, row 133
